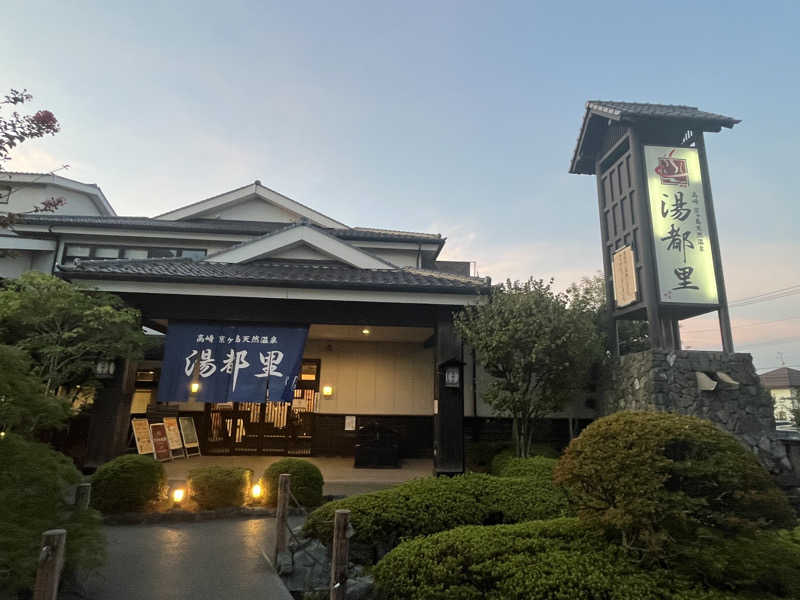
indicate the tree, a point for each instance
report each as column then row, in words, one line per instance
column 590, row 292
column 537, row 344
column 16, row 129
column 25, row 406
column 67, row 330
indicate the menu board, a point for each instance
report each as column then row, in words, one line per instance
column 160, row 442
column 141, row 433
column 189, row 432
column 173, row 433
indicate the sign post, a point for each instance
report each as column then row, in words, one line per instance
column 189, row 433
column 141, row 433
column 161, row 450
column 661, row 254
column 174, row 437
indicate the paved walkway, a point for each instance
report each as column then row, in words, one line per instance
column 189, row 561
column 341, row 478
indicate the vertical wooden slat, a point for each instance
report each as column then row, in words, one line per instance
column 51, row 562
column 339, row 555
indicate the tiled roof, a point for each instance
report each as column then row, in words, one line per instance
column 781, row 378
column 222, row 226
column 628, row 110
column 600, row 112
column 316, row 274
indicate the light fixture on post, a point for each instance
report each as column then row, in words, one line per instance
column 105, row 369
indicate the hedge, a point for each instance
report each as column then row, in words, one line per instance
column 499, row 461
column 561, row 559
column 424, row 506
column 218, row 487
column 654, row 478
column 127, row 483
column 34, row 480
column 306, row 482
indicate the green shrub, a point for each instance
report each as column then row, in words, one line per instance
column 127, row 483
column 218, row 487
column 424, row 506
column 33, row 485
column 538, row 468
column 501, row 458
column 653, row 478
column 480, row 454
column 561, row 559
column 306, row 481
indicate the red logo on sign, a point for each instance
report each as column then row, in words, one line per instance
column 672, row 171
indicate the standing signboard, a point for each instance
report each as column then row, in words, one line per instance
column 189, row 433
column 141, row 433
column 174, row 437
column 623, row 270
column 161, row 450
column 683, row 251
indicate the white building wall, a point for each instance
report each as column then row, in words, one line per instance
column 25, row 197
column 254, row 209
column 374, row 378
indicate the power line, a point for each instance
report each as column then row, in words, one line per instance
column 766, row 296
column 740, row 326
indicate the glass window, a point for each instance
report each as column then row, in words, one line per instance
column 106, row 253
column 193, row 254
column 162, row 252
column 77, row 251
column 135, row 253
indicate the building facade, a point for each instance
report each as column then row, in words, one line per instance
column 784, row 387
column 377, row 304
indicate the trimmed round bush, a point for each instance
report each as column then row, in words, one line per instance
column 219, row 487
column 653, row 478
column 561, row 559
column 424, row 506
column 306, row 481
column 127, row 483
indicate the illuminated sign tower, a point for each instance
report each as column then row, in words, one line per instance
column 661, row 254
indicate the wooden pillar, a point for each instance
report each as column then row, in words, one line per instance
column 612, row 342
column 51, row 562
column 647, row 245
column 722, row 295
column 448, row 418
column 281, row 517
column 111, row 415
column 340, row 550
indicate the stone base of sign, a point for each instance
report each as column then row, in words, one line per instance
column 657, row 380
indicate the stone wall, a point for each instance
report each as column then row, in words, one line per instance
column 657, row 380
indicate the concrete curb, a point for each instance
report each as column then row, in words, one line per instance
column 183, row 516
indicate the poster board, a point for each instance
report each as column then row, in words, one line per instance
column 350, row 423
column 141, row 433
column 189, row 433
column 174, row 437
column 161, row 450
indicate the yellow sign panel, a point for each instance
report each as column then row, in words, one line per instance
column 173, row 433
column 684, row 257
column 623, row 271
column 141, row 433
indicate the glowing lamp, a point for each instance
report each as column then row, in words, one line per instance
column 2, row 435
column 194, row 387
column 256, row 491
column 327, row 390
column 178, row 495
column 366, row 331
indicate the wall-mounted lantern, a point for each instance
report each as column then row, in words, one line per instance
column 452, row 376
column 105, row 368
column 327, row 390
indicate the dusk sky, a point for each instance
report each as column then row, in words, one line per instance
column 451, row 117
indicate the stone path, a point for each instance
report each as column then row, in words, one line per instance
column 188, row 561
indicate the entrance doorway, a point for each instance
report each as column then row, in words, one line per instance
column 271, row 428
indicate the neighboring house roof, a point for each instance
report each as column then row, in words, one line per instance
column 780, row 378
column 222, row 226
column 299, row 234
column 253, row 190
column 600, row 112
column 90, row 189
column 280, row 273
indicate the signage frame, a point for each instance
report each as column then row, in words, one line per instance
column 191, row 444
column 161, row 449
column 141, row 427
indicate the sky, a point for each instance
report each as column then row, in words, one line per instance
column 452, row 117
